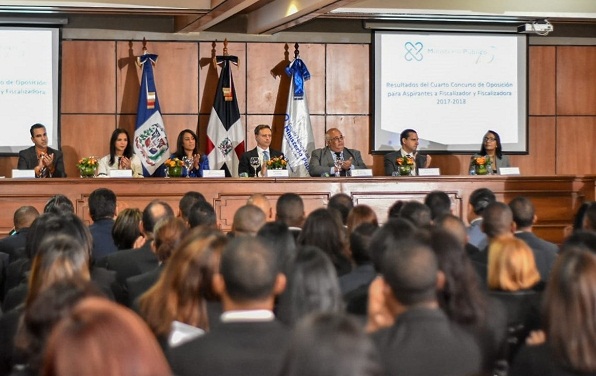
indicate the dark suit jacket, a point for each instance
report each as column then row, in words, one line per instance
column 424, row 342
column 392, row 166
column 14, row 246
column 138, row 284
column 545, row 253
column 541, row 360
column 28, row 161
column 233, row 348
column 244, row 164
column 321, row 160
column 103, row 243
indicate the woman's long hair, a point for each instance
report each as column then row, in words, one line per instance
column 498, row 150
column 180, row 153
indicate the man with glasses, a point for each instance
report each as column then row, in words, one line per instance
column 409, row 148
column 322, row 161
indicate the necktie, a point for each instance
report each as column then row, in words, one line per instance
column 342, row 172
column 265, row 156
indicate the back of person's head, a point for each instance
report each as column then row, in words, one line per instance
column 290, row 209
column 360, row 239
column 331, row 344
column 324, row 230
column 153, row 213
column 24, row 216
column 281, row 240
column 578, row 219
column 454, row 225
column 523, row 212
column 202, row 213
column 100, row 337
column 53, row 224
column 438, row 202
column 343, row 204
column 570, row 311
column 394, row 209
column 511, row 265
column 589, row 223
column 187, row 201
column 312, row 286
column 497, row 220
column 480, row 199
column 51, row 305
column 185, row 284
column 392, row 232
column 410, row 269
column 262, row 202
column 581, row 239
column 59, row 257
column 126, row 229
column 102, row 204
column 361, row 214
column 248, row 219
column 59, row 204
column 168, row 233
column 249, row 269
column 416, row 212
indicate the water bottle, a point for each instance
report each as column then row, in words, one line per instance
column 472, row 169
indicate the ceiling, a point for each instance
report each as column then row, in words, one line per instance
column 273, row 16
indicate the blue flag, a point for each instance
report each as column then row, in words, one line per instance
column 150, row 139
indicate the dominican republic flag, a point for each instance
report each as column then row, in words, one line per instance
column 298, row 141
column 150, row 140
column 225, row 135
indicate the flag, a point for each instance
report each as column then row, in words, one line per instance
column 298, row 141
column 225, row 135
column 150, row 139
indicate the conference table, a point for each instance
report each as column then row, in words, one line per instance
column 556, row 197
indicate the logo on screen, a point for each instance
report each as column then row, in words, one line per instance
column 413, row 51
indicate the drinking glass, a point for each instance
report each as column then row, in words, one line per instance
column 338, row 162
column 188, row 163
column 254, row 162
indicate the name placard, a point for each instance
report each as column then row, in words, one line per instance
column 429, row 171
column 214, row 174
column 23, row 173
column 509, row 171
column 120, row 173
column 361, row 173
column 277, row 173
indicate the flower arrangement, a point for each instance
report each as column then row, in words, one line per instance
column 174, row 162
column 277, row 163
column 87, row 166
column 481, row 164
column 174, row 166
column 405, row 165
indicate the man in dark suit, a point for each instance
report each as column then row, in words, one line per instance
column 14, row 245
column 289, row 209
column 248, row 340
column 409, row 147
column 423, row 340
column 261, row 151
column 47, row 162
column 322, row 161
column 102, row 209
column 545, row 253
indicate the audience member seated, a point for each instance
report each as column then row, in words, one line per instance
column 126, row 231
column 439, row 204
column 491, row 148
column 97, row 330
column 514, row 280
column 168, row 233
column 248, row 219
column 261, row 151
column 176, row 307
column 279, row 238
column 364, row 272
column 322, row 161
column 102, row 209
column 393, row 211
column 581, row 239
column 59, row 204
column 45, row 161
column 409, row 148
column 14, row 245
column 478, row 201
column 360, row 214
column 569, row 322
column 121, row 157
column 423, row 340
column 187, row 201
column 417, row 213
column 322, row 229
column 332, row 345
column 343, row 204
column 312, row 287
column 545, row 253
column 578, row 219
column 589, row 222
column 187, row 146
column 202, row 214
column 249, row 340
column 261, row 201
column 289, row 209
column 455, row 226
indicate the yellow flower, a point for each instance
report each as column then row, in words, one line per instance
column 277, row 163
column 405, row 161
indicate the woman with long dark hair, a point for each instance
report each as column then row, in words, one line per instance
column 187, row 146
column 121, row 157
column 492, row 149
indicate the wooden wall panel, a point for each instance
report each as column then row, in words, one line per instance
column 88, row 77
column 83, row 136
column 266, row 81
column 576, row 80
column 575, row 145
column 355, row 130
column 542, row 143
column 176, row 76
column 6, row 166
column 348, row 82
column 542, row 74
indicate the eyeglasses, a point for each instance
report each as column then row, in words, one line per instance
column 491, row 139
column 336, row 139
